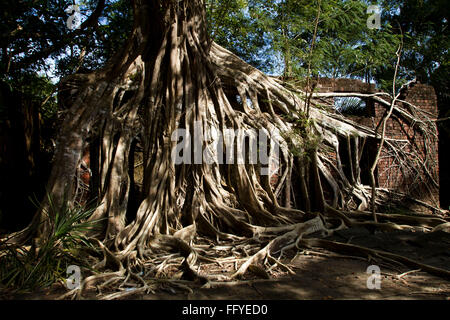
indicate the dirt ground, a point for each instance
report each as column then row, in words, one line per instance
column 323, row 275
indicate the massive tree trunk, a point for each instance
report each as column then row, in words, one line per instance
column 171, row 76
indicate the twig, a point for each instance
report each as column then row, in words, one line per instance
column 408, row 272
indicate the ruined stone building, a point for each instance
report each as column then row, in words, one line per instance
column 398, row 172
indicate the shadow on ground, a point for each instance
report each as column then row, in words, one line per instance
column 321, row 276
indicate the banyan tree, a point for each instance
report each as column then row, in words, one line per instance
column 156, row 213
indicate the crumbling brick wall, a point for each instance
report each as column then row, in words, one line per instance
column 424, row 185
column 390, row 172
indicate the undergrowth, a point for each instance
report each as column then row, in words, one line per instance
column 31, row 267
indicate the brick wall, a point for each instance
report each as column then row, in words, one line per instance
column 390, row 173
column 344, row 85
column 417, row 184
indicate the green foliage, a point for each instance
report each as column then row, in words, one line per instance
column 344, row 45
column 425, row 26
column 282, row 31
column 25, row 268
column 239, row 26
column 274, row 33
column 301, row 139
column 31, row 32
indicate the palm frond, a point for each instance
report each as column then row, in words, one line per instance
column 24, row 269
column 350, row 106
